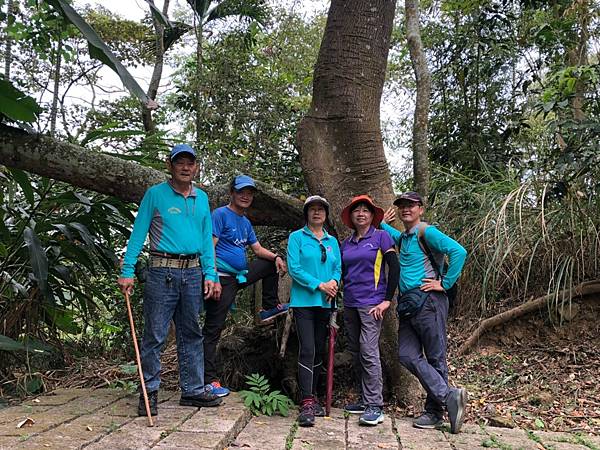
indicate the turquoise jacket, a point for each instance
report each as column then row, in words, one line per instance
column 304, row 255
column 176, row 224
column 414, row 263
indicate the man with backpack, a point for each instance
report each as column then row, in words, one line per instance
column 423, row 308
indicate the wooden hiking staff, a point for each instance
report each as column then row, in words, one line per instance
column 138, row 360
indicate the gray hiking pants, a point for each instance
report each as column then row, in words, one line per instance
column 363, row 344
column 422, row 342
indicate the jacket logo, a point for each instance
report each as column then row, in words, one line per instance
column 174, row 210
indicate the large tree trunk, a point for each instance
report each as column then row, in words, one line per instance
column 421, row 117
column 339, row 140
column 123, row 179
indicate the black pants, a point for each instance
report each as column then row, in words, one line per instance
column 311, row 328
column 216, row 311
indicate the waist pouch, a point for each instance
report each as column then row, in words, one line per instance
column 410, row 303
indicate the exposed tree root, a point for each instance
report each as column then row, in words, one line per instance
column 581, row 290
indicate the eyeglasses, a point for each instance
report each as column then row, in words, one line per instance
column 323, row 252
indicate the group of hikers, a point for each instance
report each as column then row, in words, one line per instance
column 198, row 262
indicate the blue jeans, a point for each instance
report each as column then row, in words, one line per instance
column 422, row 347
column 173, row 294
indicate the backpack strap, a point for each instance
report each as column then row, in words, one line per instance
column 425, row 248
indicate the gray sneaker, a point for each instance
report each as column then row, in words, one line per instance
column 428, row 421
column 456, row 403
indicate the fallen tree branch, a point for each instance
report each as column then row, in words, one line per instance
column 583, row 289
column 127, row 180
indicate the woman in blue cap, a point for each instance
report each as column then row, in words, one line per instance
column 315, row 265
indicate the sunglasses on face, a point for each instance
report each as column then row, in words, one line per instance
column 323, row 252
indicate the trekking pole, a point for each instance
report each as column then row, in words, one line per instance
column 333, row 329
column 138, row 360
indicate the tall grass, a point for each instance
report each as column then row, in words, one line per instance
column 523, row 241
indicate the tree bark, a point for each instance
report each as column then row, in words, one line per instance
column 123, row 179
column 421, row 116
column 11, row 9
column 55, row 89
column 340, row 143
column 159, row 48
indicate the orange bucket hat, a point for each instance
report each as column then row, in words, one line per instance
column 377, row 211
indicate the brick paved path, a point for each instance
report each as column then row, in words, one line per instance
column 106, row 419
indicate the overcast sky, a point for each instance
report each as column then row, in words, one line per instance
column 392, row 108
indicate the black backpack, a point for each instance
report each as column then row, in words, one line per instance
column 453, row 290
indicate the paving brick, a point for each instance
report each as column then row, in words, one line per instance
column 57, row 397
column 380, row 436
column 327, row 433
column 72, row 435
column 266, row 433
column 136, row 434
column 43, row 422
column 415, row 438
column 16, row 413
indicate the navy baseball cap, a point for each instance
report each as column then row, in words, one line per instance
column 410, row 196
column 242, row 181
column 181, row 148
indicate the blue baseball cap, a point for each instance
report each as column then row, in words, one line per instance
column 242, row 181
column 181, row 148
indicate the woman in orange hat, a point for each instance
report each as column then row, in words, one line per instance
column 367, row 296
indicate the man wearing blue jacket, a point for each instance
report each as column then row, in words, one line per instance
column 181, row 271
column 422, row 338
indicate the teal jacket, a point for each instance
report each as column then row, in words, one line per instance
column 304, row 256
column 176, row 225
column 414, row 263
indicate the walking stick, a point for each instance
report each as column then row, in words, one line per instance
column 333, row 328
column 138, row 360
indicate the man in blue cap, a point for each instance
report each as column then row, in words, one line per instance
column 181, row 271
column 232, row 232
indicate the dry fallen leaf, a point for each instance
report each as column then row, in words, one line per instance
column 36, row 400
column 28, row 421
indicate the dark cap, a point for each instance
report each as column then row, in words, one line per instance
column 410, row 196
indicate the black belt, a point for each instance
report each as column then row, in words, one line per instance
column 173, row 255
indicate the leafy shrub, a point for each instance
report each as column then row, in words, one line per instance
column 261, row 401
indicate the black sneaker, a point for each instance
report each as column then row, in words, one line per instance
column 428, row 421
column 306, row 418
column 152, row 400
column 455, row 405
column 319, row 410
column 201, row 400
column 355, row 408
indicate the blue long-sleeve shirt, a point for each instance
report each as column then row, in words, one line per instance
column 176, row 224
column 308, row 271
column 414, row 263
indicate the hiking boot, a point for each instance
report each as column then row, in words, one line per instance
column 201, row 400
column 216, row 388
column 319, row 410
column 355, row 408
column 270, row 314
column 428, row 421
column 306, row 418
column 152, row 401
column 373, row 415
column 455, row 405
